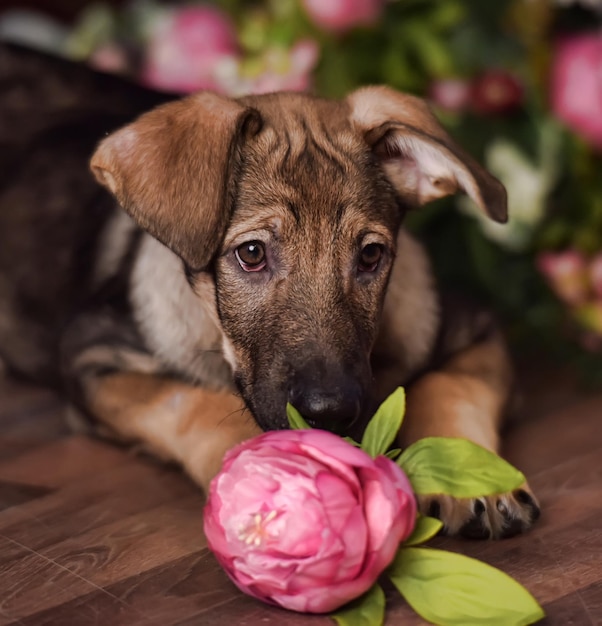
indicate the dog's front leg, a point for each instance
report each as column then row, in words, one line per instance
column 467, row 398
column 124, row 393
column 174, row 420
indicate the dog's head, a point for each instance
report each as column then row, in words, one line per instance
column 293, row 204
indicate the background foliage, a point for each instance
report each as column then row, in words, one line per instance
column 517, row 82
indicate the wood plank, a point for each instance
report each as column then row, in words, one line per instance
column 540, row 444
column 29, row 416
column 591, row 598
column 93, row 609
column 97, row 502
column 33, row 580
column 192, row 589
column 63, row 461
column 12, row 494
column 568, row 611
column 98, row 557
column 133, row 544
column 90, row 533
column 20, row 399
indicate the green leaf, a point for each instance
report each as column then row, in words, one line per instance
column 367, row 610
column 457, row 467
column 426, row 528
column 353, row 442
column 384, row 426
column 295, row 421
column 454, row 590
column 393, row 454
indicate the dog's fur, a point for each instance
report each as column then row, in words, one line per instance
column 161, row 332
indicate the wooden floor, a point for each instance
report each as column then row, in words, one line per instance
column 93, row 534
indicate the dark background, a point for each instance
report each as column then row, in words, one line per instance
column 64, row 10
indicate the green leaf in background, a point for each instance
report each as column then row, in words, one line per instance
column 454, row 590
column 95, row 26
column 367, row 610
column 426, row 528
column 295, row 421
column 457, row 467
column 384, row 426
column 393, row 454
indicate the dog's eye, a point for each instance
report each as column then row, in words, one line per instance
column 370, row 257
column 251, row 256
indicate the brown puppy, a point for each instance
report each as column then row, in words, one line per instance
column 276, row 269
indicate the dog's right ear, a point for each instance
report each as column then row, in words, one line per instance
column 172, row 171
column 417, row 155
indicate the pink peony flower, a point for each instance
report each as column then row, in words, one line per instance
column 576, row 85
column 342, row 15
column 187, row 48
column 451, row 94
column 110, row 57
column 595, row 274
column 306, row 521
column 495, row 92
column 566, row 273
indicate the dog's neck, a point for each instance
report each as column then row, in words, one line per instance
column 179, row 324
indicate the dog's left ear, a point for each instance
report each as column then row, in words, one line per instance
column 173, row 169
column 418, row 156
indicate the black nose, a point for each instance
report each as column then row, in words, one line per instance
column 329, row 405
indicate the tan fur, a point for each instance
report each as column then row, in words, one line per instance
column 175, row 421
column 314, row 182
column 434, row 166
column 182, row 203
column 113, row 245
column 467, row 399
column 464, row 399
column 160, row 294
column 410, row 318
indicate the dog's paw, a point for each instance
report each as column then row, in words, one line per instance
column 492, row 517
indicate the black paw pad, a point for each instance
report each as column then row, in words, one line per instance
column 527, row 500
column 434, row 510
column 475, row 527
column 512, row 527
column 478, row 508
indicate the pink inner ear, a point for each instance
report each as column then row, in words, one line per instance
column 419, row 157
column 418, row 170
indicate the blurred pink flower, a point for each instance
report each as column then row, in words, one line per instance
column 304, row 520
column 110, row 57
column 187, row 48
column 495, row 92
column 576, row 85
column 342, row 15
column 451, row 94
column 595, row 274
column 566, row 273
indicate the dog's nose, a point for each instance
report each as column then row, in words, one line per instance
column 333, row 408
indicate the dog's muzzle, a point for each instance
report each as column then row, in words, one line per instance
column 330, row 401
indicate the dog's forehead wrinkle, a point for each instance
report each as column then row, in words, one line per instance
column 300, row 187
column 295, row 124
column 327, row 230
column 279, row 108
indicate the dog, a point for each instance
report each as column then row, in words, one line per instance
column 183, row 268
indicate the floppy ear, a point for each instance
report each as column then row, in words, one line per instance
column 171, row 170
column 418, row 156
